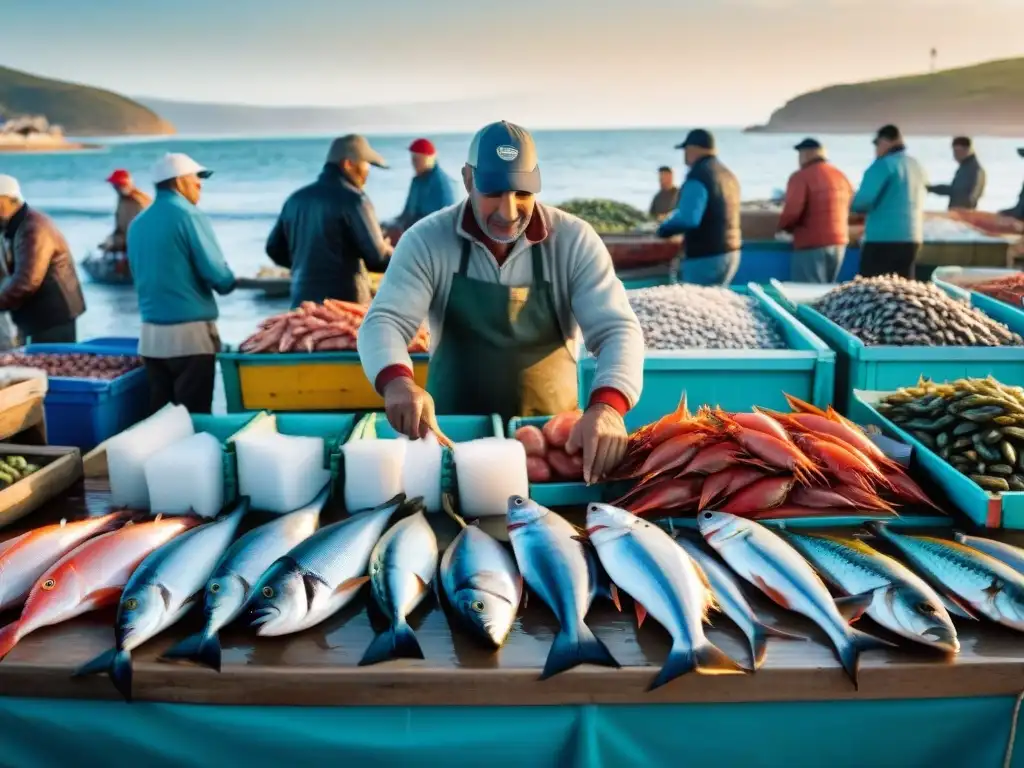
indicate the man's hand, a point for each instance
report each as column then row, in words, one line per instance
column 410, row 410
column 601, row 433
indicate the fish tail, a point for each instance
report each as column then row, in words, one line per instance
column 759, row 641
column 9, row 638
column 121, row 673
column 705, row 659
column 858, row 642
column 101, row 663
column 568, row 651
column 201, row 648
column 399, row 642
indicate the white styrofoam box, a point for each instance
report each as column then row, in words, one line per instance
column 488, row 471
column 373, row 472
column 128, row 452
column 280, row 473
column 421, row 471
column 187, row 476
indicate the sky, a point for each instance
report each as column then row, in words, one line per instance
column 576, row 62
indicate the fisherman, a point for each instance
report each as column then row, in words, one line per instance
column 817, row 213
column 708, row 215
column 178, row 265
column 506, row 284
column 968, row 183
column 131, row 201
column 430, row 189
column 328, row 234
column 42, row 291
column 1017, row 211
column 891, row 196
column 667, row 197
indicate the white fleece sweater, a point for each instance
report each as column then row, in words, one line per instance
column 589, row 297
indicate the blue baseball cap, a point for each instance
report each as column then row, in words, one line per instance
column 504, row 159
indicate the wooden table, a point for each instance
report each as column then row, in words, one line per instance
column 21, row 412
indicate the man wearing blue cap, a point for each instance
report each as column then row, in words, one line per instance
column 506, row 285
column 708, row 215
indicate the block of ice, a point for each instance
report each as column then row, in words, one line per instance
column 373, row 472
column 187, row 476
column 128, row 452
column 488, row 471
column 280, row 473
column 421, row 471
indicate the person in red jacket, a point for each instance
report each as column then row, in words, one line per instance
column 817, row 213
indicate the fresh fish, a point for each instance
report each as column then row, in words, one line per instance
column 601, row 584
column 162, row 589
column 553, row 562
column 25, row 558
column 902, row 602
column 762, row 558
column 91, row 576
column 978, row 583
column 1001, row 551
column 732, row 602
column 402, row 566
column 664, row 582
column 482, row 583
column 319, row 576
column 232, row 583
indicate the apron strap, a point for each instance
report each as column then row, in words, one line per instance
column 539, row 280
column 464, row 263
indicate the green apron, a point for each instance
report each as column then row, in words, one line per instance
column 502, row 349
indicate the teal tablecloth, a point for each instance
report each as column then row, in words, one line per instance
column 938, row 733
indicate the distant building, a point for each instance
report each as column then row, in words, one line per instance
column 29, row 128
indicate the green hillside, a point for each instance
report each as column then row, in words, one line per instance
column 79, row 109
column 982, row 99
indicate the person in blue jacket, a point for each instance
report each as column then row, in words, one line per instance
column 430, row 190
column 891, row 196
column 177, row 266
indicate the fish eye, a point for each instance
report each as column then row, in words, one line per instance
column 477, row 605
column 707, row 515
column 131, row 604
column 215, row 588
column 926, row 608
column 268, row 592
column 519, row 501
column 49, row 584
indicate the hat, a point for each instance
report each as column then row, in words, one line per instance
column 963, row 141
column 504, row 159
column 9, row 187
column 121, row 177
column 423, row 147
column 174, row 165
column 698, row 138
column 355, row 148
column 808, row 143
column 889, row 133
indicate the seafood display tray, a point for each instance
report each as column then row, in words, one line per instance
column 886, row 368
column 994, row 308
column 297, row 381
column 735, row 379
column 983, row 508
column 59, row 468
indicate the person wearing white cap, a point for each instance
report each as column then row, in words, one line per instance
column 42, row 291
column 177, row 266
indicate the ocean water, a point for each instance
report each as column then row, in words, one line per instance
column 254, row 176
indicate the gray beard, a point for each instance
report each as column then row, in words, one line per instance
column 486, row 230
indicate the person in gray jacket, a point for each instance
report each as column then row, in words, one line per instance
column 968, row 183
column 1017, row 211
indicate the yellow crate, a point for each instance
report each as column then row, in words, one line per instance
column 320, row 381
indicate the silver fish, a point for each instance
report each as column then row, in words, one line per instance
column 402, row 566
column 733, row 603
column 902, row 602
column 1001, row 551
column 552, row 560
column 233, row 581
column 664, row 582
column 977, row 582
column 762, row 558
column 162, row 590
column 482, row 583
column 319, row 576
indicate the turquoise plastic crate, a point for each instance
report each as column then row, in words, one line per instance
column 737, row 380
column 225, row 428
column 887, row 368
column 983, row 508
column 994, row 308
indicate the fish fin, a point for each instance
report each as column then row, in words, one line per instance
column 707, row 660
column 567, row 652
column 201, row 648
column 850, row 653
column 9, row 638
column 775, row 595
column 399, row 642
column 353, row 584
column 121, row 673
column 803, row 407
column 759, row 641
column 957, row 607
column 101, row 663
column 853, row 607
column 103, row 597
column 641, row 613
column 613, row 595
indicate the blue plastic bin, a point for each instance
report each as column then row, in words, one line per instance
column 128, row 345
column 737, row 380
column 85, row 412
column 764, row 260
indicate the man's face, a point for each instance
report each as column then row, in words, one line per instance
column 960, row 152
column 691, row 155
column 8, row 207
column 421, row 163
column 122, row 189
column 357, row 171
column 665, row 179
column 882, row 146
column 502, row 216
column 190, row 187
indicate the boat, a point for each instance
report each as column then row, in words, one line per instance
column 107, row 268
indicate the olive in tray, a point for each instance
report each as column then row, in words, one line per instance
column 13, row 469
column 76, row 365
